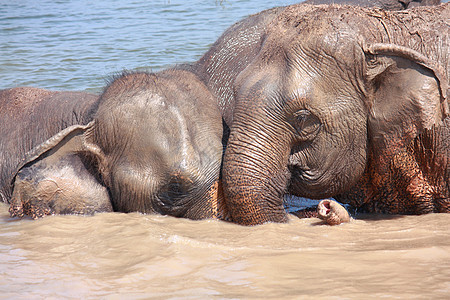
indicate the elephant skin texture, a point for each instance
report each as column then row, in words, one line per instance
column 348, row 102
column 233, row 51
column 28, row 117
column 154, row 146
column 384, row 4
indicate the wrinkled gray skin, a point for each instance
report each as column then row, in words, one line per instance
column 384, row 4
column 219, row 67
column 155, row 142
column 316, row 100
column 54, row 179
column 28, row 117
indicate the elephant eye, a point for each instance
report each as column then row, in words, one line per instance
column 306, row 124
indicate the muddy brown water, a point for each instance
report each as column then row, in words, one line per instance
column 136, row 256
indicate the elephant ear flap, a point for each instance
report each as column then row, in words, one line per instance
column 406, row 92
column 71, row 140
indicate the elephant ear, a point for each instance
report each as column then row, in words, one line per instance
column 72, row 140
column 407, row 93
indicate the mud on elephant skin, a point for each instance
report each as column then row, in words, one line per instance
column 28, row 117
column 334, row 107
column 155, row 143
column 384, row 4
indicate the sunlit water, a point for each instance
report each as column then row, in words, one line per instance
column 76, row 45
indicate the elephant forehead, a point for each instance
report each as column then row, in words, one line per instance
column 316, row 90
column 146, row 100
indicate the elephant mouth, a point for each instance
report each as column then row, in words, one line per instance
column 304, row 173
column 306, row 182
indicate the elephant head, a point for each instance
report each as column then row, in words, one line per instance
column 155, row 143
column 323, row 92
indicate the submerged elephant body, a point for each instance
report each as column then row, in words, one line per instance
column 60, row 183
column 154, row 145
column 337, row 102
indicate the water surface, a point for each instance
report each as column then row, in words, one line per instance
column 76, row 45
column 132, row 256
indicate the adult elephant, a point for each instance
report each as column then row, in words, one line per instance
column 154, row 146
column 347, row 102
column 28, row 117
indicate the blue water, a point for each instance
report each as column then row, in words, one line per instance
column 77, row 45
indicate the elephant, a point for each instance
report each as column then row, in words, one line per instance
column 245, row 37
column 54, row 179
column 154, row 145
column 237, row 47
column 28, row 117
column 345, row 102
column 384, row 4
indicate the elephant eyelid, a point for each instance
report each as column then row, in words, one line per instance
column 301, row 115
column 306, row 124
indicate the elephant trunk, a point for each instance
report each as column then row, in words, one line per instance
column 255, row 174
column 332, row 212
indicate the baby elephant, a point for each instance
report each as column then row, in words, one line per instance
column 154, row 146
